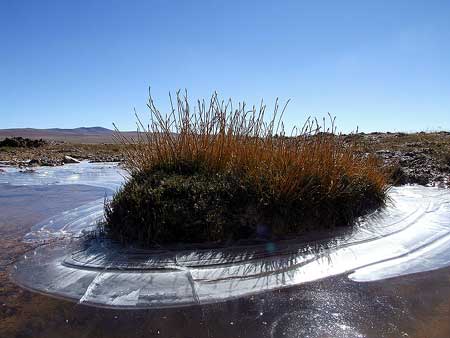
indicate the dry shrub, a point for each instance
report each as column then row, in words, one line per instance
column 219, row 138
column 312, row 173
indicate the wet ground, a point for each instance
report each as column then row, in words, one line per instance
column 416, row 305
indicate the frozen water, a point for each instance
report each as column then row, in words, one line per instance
column 104, row 175
column 71, row 222
column 411, row 234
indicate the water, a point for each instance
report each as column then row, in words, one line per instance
column 292, row 288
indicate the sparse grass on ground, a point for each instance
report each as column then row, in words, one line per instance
column 216, row 173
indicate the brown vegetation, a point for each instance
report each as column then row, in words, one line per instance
column 190, row 169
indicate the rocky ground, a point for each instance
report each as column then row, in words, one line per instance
column 421, row 158
column 54, row 153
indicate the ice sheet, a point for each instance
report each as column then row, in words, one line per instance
column 104, row 175
column 412, row 234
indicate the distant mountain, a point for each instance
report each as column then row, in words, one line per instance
column 76, row 135
column 82, row 131
column 97, row 130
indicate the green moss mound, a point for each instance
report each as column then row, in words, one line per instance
column 188, row 205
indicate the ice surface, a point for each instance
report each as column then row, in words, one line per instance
column 71, row 222
column 412, row 234
column 104, row 175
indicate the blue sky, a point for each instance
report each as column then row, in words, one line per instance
column 379, row 65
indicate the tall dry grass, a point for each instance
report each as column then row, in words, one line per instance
column 216, row 136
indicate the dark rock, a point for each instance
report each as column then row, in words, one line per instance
column 22, row 142
column 34, row 162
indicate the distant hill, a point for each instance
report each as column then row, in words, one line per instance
column 76, row 135
column 84, row 131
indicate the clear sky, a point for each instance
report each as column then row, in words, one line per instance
column 379, row 65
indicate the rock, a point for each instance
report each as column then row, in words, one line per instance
column 15, row 142
column 34, row 162
column 383, row 152
column 27, row 171
column 69, row 159
column 398, row 176
column 50, row 162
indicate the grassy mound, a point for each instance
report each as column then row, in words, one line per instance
column 220, row 174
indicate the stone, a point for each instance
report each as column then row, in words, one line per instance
column 69, row 159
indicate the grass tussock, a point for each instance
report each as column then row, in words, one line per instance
column 220, row 172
